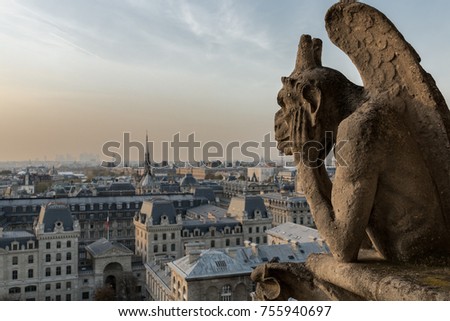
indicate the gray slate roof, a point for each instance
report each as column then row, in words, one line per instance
column 210, row 263
column 206, row 211
column 242, row 260
column 20, row 236
column 204, row 225
column 54, row 212
column 188, row 180
column 155, row 209
column 119, row 186
column 249, row 204
column 294, row 233
column 148, row 181
column 205, row 192
column 103, row 245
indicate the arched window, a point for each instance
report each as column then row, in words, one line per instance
column 30, row 288
column 225, row 294
column 14, row 290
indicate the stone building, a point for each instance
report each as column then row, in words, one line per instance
column 290, row 232
column 187, row 183
column 163, row 236
column 19, row 278
column 162, row 233
column 113, row 265
column 292, row 208
column 263, row 174
column 218, row 274
column 209, row 275
column 43, row 265
column 233, row 188
column 92, row 214
column 148, row 184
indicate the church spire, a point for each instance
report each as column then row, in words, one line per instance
column 147, row 164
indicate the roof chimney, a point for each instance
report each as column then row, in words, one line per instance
column 231, row 251
column 254, row 249
column 194, row 255
column 294, row 245
column 193, row 250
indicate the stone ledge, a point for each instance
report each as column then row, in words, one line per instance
column 374, row 279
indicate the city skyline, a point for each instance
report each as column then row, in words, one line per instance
column 80, row 74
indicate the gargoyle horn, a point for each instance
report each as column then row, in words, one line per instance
column 309, row 55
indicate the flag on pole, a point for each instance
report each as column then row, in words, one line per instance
column 107, row 227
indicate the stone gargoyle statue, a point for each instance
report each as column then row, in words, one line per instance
column 391, row 141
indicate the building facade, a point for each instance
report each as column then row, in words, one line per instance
column 44, row 265
column 224, row 274
column 92, row 213
column 163, row 236
column 161, row 233
column 236, row 188
column 293, row 208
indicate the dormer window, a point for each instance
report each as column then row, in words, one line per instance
column 164, row 220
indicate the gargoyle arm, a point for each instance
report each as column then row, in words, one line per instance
column 343, row 218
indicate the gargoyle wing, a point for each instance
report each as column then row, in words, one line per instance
column 391, row 71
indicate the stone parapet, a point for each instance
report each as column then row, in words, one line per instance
column 372, row 279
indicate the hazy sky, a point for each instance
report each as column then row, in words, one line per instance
column 75, row 74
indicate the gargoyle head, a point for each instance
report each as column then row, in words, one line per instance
column 309, row 99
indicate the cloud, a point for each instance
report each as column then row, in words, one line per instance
column 25, row 26
column 221, row 23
